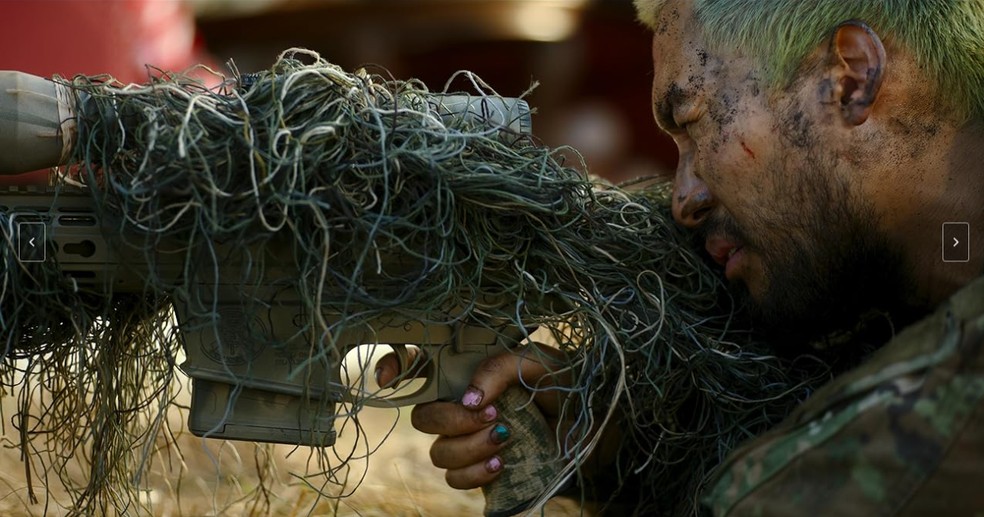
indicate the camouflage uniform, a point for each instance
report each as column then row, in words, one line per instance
column 901, row 435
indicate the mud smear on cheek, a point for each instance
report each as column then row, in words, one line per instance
column 797, row 129
column 722, row 110
column 726, row 104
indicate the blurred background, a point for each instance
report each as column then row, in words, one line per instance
column 590, row 58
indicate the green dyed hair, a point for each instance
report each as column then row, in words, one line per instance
column 946, row 37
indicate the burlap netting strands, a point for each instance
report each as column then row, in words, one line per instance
column 374, row 201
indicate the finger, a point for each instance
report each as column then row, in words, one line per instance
column 451, row 418
column 476, row 475
column 461, row 451
column 389, row 368
column 531, row 365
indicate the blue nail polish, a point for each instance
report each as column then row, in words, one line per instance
column 500, row 433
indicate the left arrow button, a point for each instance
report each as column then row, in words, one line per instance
column 31, row 237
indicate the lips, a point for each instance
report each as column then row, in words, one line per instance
column 721, row 248
column 726, row 252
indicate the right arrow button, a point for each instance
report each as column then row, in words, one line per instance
column 959, row 235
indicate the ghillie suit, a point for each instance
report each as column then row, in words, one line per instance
column 378, row 202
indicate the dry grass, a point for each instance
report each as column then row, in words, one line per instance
column 218, row 478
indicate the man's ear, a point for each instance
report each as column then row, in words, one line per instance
column 856, row 66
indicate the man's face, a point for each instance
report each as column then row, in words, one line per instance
column 767, row 187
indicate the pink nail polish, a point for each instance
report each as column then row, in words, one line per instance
column 472, row 397
column 494, row 464
column 489, row 414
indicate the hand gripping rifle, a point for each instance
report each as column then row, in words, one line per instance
column 251, row 365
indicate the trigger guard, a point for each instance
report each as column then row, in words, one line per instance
column 403, row 357
column 410, row 368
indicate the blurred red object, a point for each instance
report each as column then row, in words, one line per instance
column 119, row 38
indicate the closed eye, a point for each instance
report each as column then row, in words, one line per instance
column 687, row 125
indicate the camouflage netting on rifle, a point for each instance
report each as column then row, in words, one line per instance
column 341, row 172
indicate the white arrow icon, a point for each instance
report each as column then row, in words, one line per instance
column 31, row 244
column 959, row 250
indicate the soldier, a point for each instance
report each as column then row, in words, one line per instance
column 823, row 145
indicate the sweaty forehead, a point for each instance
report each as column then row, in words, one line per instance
column 677, row 26
column 681, row 60
column 688, row 72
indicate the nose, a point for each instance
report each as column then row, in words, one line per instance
column 692, row 199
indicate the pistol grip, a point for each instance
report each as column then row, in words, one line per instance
column 530, row 458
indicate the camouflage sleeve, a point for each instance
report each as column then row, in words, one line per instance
column 901, row 435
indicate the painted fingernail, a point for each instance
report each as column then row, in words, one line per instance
column 490, row 413
column 472, row 397
column 494, row 464
column 500, row 434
